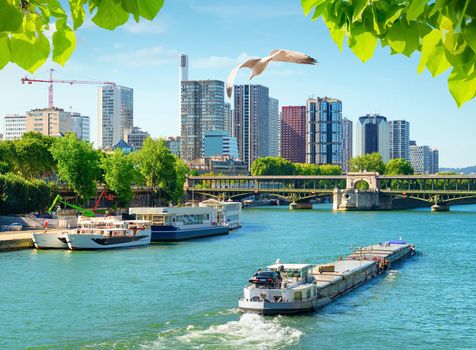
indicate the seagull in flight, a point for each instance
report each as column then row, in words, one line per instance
column 258, row 65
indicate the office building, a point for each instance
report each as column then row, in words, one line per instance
column 183, row 68
column 324, row 131
column 434, row 161
column 372, row 136
column 273, row 127
column 48, row 121
column 80, row 125
column 14, row 126
column 228, row 122
column 202, row 109
column 218, row 143
column 399, row 139
column 347, row 128
column 251, row 121
column 293, row 133
column 219, row 165
column 173, row 144
column 136, row 137
column 115, row 114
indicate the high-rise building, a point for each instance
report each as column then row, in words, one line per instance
column 136, row 137
column 183, row 69
column 420, row 158
column 202, row 109
column 372, row 136
column 80, row 125
column 324, row 131
column 218, row 143
column 228, row 122
column 273, row 127
column 293, row 133
column 14, row 126
column 434, row 161
column 115, row 114
column 399, row 139
column 173, row 144
column 346, row 143
column 251, row 121
column 48, row 121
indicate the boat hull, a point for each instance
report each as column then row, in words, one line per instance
column 172, row 234
column 49, row 241
column 96, row 242
column 266, row 308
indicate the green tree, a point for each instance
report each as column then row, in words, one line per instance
column 307, row 169
column 368, row 162
column 33, row 158
column 444, row 31
column 330, row 169
column 181, row 170
column 398, row 166
column 23, row 24
column 119, row 174
column 78, row 164
column 272, row 166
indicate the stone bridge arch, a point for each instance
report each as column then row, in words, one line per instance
column 369, row 178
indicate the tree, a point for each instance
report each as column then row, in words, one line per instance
column 307, row 169
column 119, row 175
column 330, row 169
column 398, row 166
column 272, row 166
column 78, row 164
column 182, row 170
column 33, row 158
column 444, row 31
column 23, row 24
column 368, row 162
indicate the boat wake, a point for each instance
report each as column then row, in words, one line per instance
column 250, row 331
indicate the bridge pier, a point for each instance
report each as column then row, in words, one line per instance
column 300, row 205
column 346, row 200
column 440, row 207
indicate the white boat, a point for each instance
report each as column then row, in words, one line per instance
column 99, row 233
column 227, row 213
column 49, row 240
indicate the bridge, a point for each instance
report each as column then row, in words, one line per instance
column 351, row 191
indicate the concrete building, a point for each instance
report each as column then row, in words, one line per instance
column 251, row 121
column 273, row 127
column 173, row 144
column 399, row 139
column 81, row 125
column 228, row 122
column 48, row 121
column 293, row 133
column 136, row 137
column 347, row 140
column 115, row 114
column 434, row 161
column 372, row 136
column 420, row 158
column 219, row 165
column 14, row 126
column 202, row 109
column 183, row 68
column 324, row 131
column 218, row 143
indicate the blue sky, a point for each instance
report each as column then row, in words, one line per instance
column 217, row 35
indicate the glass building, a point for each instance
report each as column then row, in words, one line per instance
column 217, row 143
column 399, row 139
column 372, row 136
column 346, row 143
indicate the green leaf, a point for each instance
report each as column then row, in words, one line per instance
column 462, row 86
column 403, row 38
column 428, row 44
column 437, row 61
column 415, row 9
column 359, row 8
column 110, row 15
column 393, row 17
column 319, row 11
column 131, row 6
column 363, row 44
column 308, row 5
column 5, row 53
column 77, row 12
column 64, row 43
column 338, row 36
column 149, row 8
column 10, row 16
column 470, row 35
column 437, row 6
column 29, row 53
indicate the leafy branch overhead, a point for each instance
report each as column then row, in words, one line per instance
column 444, row 31
column 24, row 25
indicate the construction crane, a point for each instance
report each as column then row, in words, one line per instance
column 52, row 81
column 58, row 198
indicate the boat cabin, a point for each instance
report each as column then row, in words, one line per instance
column 177, row 216
column 228, row 213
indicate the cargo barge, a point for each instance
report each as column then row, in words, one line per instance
column 299, row 288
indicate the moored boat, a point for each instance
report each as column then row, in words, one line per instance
column 227, row 213
column 49, row 240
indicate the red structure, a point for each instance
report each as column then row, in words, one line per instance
column 293, row 133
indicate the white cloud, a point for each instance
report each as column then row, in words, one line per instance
column 145, row 27
column 152, row 56
column 220, row 61
column 250, row 11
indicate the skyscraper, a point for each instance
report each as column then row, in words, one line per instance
column 80, row 125
column 115, row 114
column 183, row 69
column 372, row 136
column 324, row 131
column 14, row 126
column 420, row 158
column 273, row 127
column 251, row 121
column 293, row 133
column 399, row 139
column 434, row 161
column 228, row 123
column 202, row 109
column 218, row 143
column 346, row 143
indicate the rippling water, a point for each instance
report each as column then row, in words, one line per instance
column 184, row 296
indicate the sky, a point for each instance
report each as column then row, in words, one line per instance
column 218, row 35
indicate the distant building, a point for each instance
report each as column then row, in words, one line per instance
column 202, row 109
column 434, row 161
column 219, row 165
column 399, row 139
column 173, row 144
column 115, row 114
column 411, row 143
column 136, row 137
column 124, row 146
column 228, row 122
column 49, row 121
column 293, row 133
column 183, row 68
column 273, row 127
column 420, row 158
column 218, row 143
column 80, row 125
column 324, row 131
column 347, row 126
column 372, row 136
column 14, row 126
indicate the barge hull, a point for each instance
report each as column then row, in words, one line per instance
column 159, row 234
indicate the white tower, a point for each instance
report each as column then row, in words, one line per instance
column 183, row 70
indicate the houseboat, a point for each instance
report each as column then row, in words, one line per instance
column 228, row 213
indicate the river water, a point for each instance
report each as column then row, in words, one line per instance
column 184, row 296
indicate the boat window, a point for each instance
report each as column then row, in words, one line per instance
column 297, row 296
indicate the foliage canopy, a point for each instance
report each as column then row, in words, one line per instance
column 368, row 162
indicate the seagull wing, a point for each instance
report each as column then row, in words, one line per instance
column 231, row 77
column 290, row 56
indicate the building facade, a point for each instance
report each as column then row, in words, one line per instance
column 372, row 136
column 420, row 158
column 228, row 122
column 115, row 114
column 324, row 131
column 81, row 125
column 399, row 139
column 173, row 144
column 293, row 133
column 202, row 109
column 251, row 121
column 136, row 137
column 218, row 143
column 49, row 121
column 14, row 126
column 347, row 140
column 273, row 127
column 434, row 161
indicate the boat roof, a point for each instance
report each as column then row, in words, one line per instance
column 290, row 266
column 171, row 210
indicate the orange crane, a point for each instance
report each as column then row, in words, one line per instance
column 52, row 81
